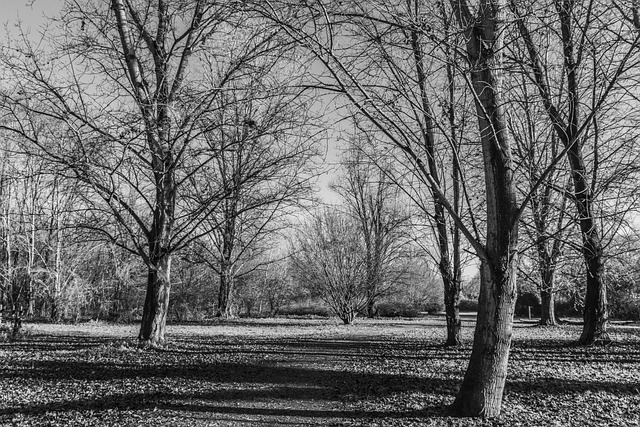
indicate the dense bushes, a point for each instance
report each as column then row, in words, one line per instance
column 306, row 309
column 396, row 309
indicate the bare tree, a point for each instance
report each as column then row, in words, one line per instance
column 481, row 391
column 574, row 114
column 126, row 110
column 375, row 203
column 328, row 258
column 263, row 154
column 546, row 222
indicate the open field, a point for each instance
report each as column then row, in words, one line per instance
column 307, row 372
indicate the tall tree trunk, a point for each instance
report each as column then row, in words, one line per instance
column 595, row 309
column 595, row 303
column 156, row 304
column 568, row 128
column 482, row 389
column 451, row 286
column 373, row 273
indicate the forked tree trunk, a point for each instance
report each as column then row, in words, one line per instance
column 371, row 308
column 156, row 304
column 348, row 316
column 482, row 389
column 595, row 304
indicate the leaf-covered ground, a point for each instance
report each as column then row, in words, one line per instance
column 307, row 372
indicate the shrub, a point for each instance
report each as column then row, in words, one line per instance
column 467, row 305
column 625, row 307
column 567, row 307
column 397, row 309
column 433, row 307
column 306, row 310
column 9, row 333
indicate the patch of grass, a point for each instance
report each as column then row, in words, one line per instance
column 271, row 372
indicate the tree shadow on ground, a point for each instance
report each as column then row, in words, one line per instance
column 343, row 347
column 51, row 343
column 260, row 379
column 246, row 402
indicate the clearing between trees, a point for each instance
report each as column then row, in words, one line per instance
column 294, row 372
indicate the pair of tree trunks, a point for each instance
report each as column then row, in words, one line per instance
column 569, row 129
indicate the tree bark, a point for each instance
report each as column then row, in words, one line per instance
column 483, row 385
column 546, row 259
column 548, row 313
column 224, row 295
column 452, row 311
column 595, row 304
column 225, row 291
column 156, row 304
column 595, row 309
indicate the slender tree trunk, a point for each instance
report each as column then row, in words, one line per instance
column 374, row 278
column 483, row 386
column 451, row 287
column 371, row 311
column 156, row 304
column 547, row 271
